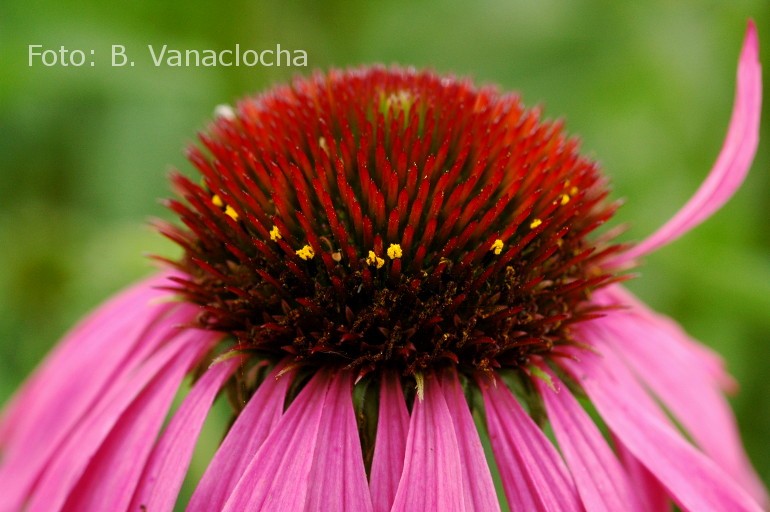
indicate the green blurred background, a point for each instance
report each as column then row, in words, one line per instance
column 84, row 152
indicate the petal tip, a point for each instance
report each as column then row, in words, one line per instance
column 751, row 33
column 750, row 51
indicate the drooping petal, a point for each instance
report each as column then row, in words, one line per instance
column 686, row 375
column 129, row 308
column 648, row 491
column 600, row 478
column 432, row 477
column 691, row 478
column 733, row 162
column 82, row 369
column 242, row 442
column 685, row 389
column 164, row 473
column 123, row 311
column 675, row 340
column 277, row 476
column 478, row 488
column 159, row 376
column 338, row 475
column 113, row 472
column 390, row 446
column 533, row 473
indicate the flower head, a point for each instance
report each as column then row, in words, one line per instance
column 379, row 264
column 366, row 203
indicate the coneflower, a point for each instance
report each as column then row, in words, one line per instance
column 378, row 265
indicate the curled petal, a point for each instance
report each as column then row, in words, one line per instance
column 733, row 162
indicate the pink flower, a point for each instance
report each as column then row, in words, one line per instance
column 378, row 264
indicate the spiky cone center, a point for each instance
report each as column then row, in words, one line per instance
column 385, row 218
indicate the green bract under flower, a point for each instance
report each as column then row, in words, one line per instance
column 388, row 218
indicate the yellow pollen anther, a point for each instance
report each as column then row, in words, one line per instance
column 231, row 213
column 535, row 223
column 375, row 260
column 497, row 246
column 564, row 199
column 275, row 234
column 306, row 253
column 573, row 191
column 337, row 256
column 323, row 145
column 394, row 251
column 217, row 201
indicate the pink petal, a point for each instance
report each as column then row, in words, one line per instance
column 600, row 478
column 338, row 474
column 649, row 492
column 127, row 308
column 67, row 387
column 277, row 476
column 659, row 335
column 35, row 396
column 533, row 473
column 166, row 468
column 390, row 446
column 113, row 472
column 733, row 162
column 68, row 380
column 695, row 353
column 685, row 389
column 433, row 475
column 73, row 457
column 478, row 488
column 242, row 442
column 691, row 478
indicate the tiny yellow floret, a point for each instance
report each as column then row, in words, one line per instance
column 217, row 201
column 394, row 251
column 564, row 199
column 231, row 213
column 275, row 234
column 535, row 223
column 497, row 246
column 306, row 253
column 573, row 191
column 374, row 260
